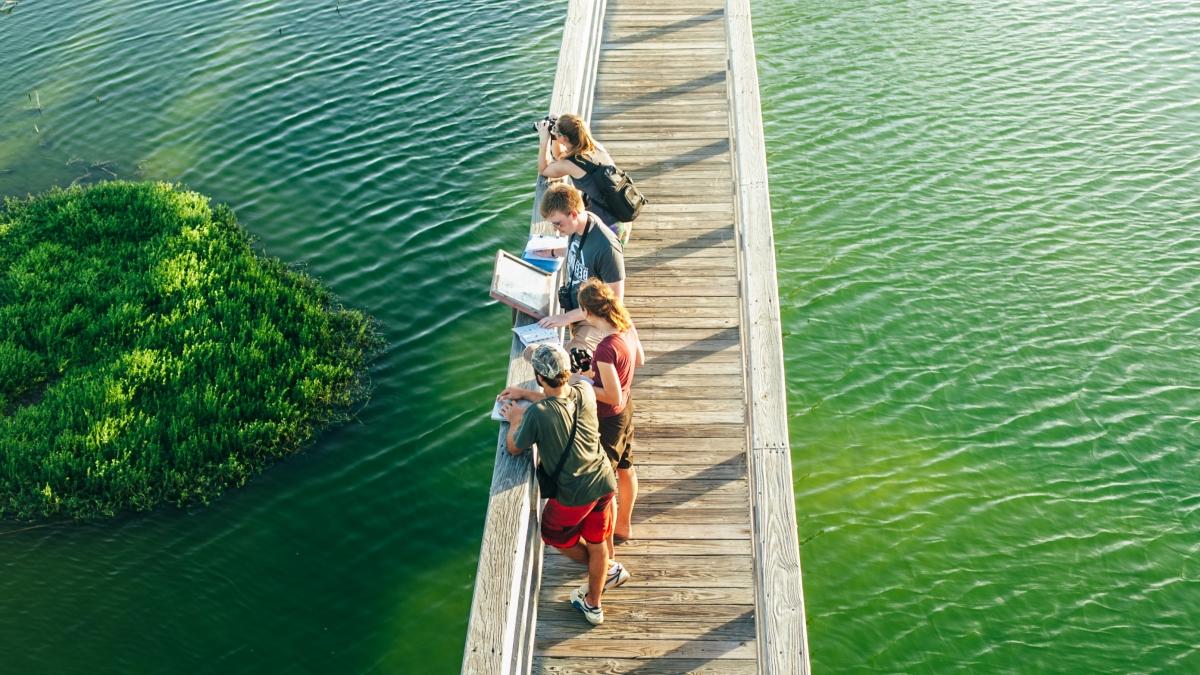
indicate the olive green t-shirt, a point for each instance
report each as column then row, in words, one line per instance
column 587, row 475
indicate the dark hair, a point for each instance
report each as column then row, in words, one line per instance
column 555, row 382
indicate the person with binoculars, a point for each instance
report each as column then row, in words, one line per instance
column 567, row 149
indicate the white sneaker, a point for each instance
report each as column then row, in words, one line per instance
column 594, row 615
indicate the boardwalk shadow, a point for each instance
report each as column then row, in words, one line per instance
column 717, row 147
column 652, row 33
column 678, row 357
column 679, row 249
column 608, row 111
column 717, row 635
column 717, row 472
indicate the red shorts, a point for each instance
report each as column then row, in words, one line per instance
column 563, row 525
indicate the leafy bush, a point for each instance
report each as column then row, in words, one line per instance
column 148, row 355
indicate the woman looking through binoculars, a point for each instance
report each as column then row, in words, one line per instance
column 568, row 149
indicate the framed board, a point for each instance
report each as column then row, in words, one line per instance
column 521, row 285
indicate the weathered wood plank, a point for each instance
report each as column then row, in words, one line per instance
column 690, row 515
column 740, row 629
column 619, row 613
column 634, row 594
column 651, row 321
column 732, row 471
column 609, row 666
column 671, row 405
column 664, row 571
column 649, row 648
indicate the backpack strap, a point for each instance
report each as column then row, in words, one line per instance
column 570, row 441
column 587, row 165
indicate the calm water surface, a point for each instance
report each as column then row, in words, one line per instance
column 986, row 218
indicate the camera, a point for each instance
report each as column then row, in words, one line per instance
column 581, row 360
column 552, row 119
column 564, row 297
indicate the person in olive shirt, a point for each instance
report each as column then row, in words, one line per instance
column 578, row 521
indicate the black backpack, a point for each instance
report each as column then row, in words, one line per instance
column 617, row 191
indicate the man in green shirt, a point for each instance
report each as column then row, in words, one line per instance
column 578, row 520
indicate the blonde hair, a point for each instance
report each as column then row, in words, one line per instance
column 561, row 198
column 595, row 297
column 575, row 130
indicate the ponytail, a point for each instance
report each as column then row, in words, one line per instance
column 595, row 297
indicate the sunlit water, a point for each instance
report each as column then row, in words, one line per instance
column 986, row 219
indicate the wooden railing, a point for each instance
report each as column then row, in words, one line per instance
column 504, row 607
column 778, row 593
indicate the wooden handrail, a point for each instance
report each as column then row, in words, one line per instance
column 778, row 593
column 504, row 606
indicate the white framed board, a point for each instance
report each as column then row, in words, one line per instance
column 521, row 285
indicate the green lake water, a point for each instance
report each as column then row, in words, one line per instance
column 986, row 219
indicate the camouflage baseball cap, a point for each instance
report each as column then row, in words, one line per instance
column 550, row 361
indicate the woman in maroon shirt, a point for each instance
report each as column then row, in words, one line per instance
column 613, row 363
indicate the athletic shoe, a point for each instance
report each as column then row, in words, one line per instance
column 594, row 615
column 617, row 575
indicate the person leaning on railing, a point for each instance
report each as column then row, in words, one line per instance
column 578, row 518
column 592, row 251
column 617, row 356
column 568, row 149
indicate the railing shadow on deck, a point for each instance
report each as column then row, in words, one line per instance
column 659, row 95
column 693, row 662
column 675, row 251
column 651, row 33
column 715, row 473
column 717, row 147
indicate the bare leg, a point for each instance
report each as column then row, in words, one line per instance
column 578, row 552
column 597, row 562
column 627, row 489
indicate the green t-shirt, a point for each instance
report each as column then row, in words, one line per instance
column 587, row 475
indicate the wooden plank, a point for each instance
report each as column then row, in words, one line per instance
column 649, row 648
column 656, row 239
column 738, row 629
column 634, row 593
column 689, row 515
column 610, row 666
column 722, row 445
column 670, row 405
column 731, row 471
column 690, row 366
column 683, row 286
column 645, row 253
column 665, row 387
column 689, row 334
column 680, row 350
column 650, row 420
column 620, row 613
column 651, row 321
column 732, row 569
column 664, row 531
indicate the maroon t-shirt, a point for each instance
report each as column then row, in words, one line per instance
column 619, row 349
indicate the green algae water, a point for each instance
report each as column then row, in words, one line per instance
column 986, row 224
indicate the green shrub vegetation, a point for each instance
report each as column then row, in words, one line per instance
column 149, row 355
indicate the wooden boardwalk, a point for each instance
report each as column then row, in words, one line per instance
column 714, row 559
